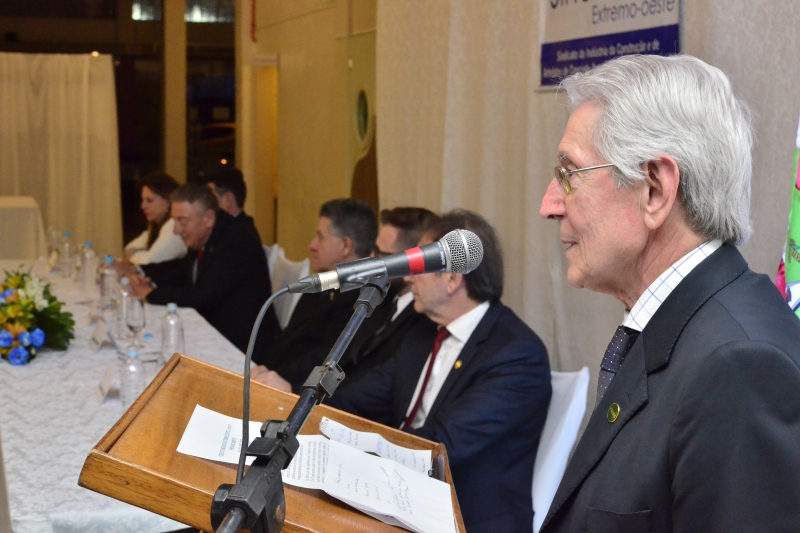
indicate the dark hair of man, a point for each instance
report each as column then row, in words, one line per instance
column 230, row 180
column 161, row 184
column 353, row 219
column 195, row 193
column 485, row 283
column 411, row 223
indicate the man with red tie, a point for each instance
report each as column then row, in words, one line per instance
column 224, row 276
column 475, row 378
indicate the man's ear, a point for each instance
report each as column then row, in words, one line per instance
column 230, row 198
column 347, row 246
column 209, row 218
column 663, row 179
column 454, row 282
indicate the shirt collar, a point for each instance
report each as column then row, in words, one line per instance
column 463, row 326
column 649, row 302
column 402, row 302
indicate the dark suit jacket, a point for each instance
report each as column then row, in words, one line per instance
column 313, row 328
column 369, row 351
column 708, row 435
column 489, row 413
column 232, row 281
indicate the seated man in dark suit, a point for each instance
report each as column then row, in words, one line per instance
column 476, row 378
column 346, row 231
column 224, row 276
column 401, row 229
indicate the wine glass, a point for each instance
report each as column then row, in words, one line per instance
column 136, row 319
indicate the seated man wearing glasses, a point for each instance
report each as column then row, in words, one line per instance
column 473, row 377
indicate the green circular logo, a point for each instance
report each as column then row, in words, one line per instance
column 613, row 412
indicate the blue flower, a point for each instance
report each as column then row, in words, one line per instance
column 24, row 338
column 6, row 293
column 18, row 356
column 37, row 338
column 6, row 338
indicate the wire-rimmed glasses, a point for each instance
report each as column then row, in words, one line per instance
column 562, row 175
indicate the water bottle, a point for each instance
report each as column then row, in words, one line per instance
column 171, row 334
column 132, row 380
column 122, row 308
column 52, row 239
column 88, row 269
column 109, row 289
column 66, row 255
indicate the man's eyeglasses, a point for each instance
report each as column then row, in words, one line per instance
column 562, row 175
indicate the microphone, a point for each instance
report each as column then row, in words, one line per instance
column 460, row 252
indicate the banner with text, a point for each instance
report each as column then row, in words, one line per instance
column 577, row 35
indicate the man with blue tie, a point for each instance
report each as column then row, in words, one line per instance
column 474, row 378
column 697, row 418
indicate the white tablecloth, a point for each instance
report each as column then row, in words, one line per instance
column 21, row 229
column 50, row 421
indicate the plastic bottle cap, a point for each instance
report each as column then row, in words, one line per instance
column 88, row 244
column 125, row 281
column 172, row 307
column 65, row 234
column 108, row 259
column 148, row 335
column 133, row 352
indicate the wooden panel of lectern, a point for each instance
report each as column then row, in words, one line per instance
column 137, row 461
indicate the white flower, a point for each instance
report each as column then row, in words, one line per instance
column 40, row 303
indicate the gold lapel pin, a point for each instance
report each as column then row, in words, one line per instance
column 613, row 412
column 330, row 295
column 458, row 364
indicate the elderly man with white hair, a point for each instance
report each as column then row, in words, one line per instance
column 697, row 418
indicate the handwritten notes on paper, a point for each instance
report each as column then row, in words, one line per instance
column 417, row 460
column 393, row 488
column 376, row 486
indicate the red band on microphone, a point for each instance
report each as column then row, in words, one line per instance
column 416, row 261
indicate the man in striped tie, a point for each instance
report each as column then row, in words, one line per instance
column 697, row 418
column 475, row 378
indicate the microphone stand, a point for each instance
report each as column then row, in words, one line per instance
column 258, row 503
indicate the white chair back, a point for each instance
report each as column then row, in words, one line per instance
column 283, row 273
column 272, row 256
column 564, row 418
column 5, row 513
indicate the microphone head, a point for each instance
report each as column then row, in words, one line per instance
column 465, row 251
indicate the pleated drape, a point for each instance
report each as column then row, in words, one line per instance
column 58, row 140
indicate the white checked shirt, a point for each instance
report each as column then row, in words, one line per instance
column 460, row 331
column 649, row 302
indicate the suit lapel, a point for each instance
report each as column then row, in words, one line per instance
column 628, row 389
column 467, row 354
column 404, row 316
column 650, row 352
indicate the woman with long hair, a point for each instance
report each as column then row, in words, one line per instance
column 157, row 243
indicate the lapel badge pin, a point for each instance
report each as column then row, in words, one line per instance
column 613, row 413
column 458, row 364
column 330, row 295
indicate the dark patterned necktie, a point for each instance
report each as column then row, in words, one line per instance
column 615, row 354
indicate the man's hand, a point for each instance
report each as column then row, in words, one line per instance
column 140, row 286
column 125, row 268
column 269, row 377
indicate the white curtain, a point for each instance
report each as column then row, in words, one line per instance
column 58, row 142
column 463, row 124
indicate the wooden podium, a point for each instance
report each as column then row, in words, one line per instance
column 137, row 460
